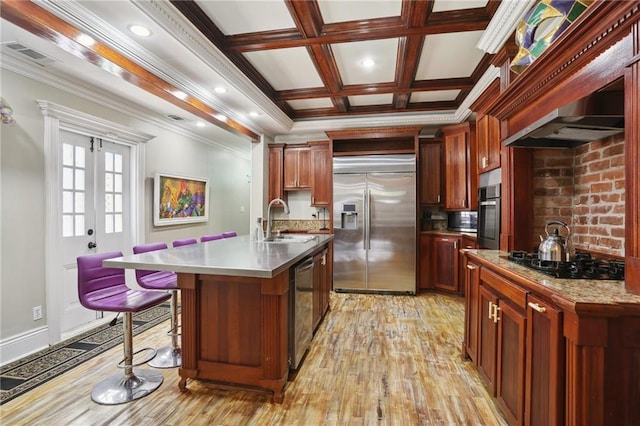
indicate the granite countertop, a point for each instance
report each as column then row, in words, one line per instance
column 238, row 256
column 576, row 291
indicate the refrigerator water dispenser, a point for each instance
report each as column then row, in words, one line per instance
column 349, row 217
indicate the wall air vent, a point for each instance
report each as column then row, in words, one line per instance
column 31, row 54
column 175, row 117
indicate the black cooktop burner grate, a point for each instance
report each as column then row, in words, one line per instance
column 582, row 266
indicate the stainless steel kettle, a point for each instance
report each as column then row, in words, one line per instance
column 554, row 247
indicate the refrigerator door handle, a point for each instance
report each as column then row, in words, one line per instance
column 365, row 205
column 368, row 243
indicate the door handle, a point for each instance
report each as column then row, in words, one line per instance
column 92, row 245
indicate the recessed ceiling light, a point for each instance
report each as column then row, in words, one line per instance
column 253, row 114
column 85, row 40
column 368, row 63
column 220, row 89
column 179, row 94
column 201, row 124
column 220, row 117
column 139, row 30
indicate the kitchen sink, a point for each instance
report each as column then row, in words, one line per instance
column 289, row 238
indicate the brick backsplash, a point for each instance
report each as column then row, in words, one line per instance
column 583, row 187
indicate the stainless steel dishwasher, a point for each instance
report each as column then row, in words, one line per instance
column 300, row 311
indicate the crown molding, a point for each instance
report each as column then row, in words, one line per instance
column 503, row 24
column 179, row 28
column 106, row 99
column 169, row 18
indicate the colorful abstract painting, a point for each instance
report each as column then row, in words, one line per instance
column 180, row 199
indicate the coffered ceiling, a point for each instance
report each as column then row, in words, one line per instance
column 288, row 67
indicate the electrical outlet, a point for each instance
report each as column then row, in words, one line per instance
column 37, row 312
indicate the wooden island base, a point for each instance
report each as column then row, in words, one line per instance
column 235, row 331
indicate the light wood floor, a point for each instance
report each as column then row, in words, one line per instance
column 376, row 359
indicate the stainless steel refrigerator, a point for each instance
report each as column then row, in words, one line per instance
column 374, row 215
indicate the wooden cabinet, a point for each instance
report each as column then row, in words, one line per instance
column 460, row 167
column 430, row 172
column 488, row 137
column 321, row 174
column 426, row 261
column 321, row 286
column 297, row 165
column 502, row 342
column 516, row 340
column 276, row 173
column 445, row 261
column 544, row 382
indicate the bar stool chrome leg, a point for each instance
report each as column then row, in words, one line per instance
column 170, row 356
column 134, row 384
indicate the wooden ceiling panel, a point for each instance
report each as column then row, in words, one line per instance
column 419, row 46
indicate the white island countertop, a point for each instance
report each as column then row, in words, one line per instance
column 237, row 256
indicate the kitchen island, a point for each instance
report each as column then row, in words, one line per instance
column 234, row 307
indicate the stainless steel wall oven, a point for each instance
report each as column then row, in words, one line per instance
column 489, row 216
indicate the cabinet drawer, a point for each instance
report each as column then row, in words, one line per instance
column 515, row 294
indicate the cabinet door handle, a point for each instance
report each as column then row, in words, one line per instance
column 491, row 310
column 438, row 198
column 496, row 318
column 537, row 307
column 455, row 245
column 473, row 268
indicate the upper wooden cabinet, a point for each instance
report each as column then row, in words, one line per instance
column 460, row 167
column 321, row 174
column 297, row 165
column 276, row 172
column 488, row 136
column 430, row 171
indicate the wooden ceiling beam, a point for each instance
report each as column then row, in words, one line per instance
column 40, row 22
column 344, row 32
column 409, row 50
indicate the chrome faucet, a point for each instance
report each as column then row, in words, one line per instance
column 286, row 211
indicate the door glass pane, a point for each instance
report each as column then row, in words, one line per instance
column 67, row 178
column 108, row 182
column 117, row 166
column 79, row 183
column 108, row 161
column 67, row 201
column 117, row 224
column 79, row 225
column 117, row 183
column 117, row 207
column 67, row 225
column 79, row 202
column 108, row 203
column 80, row 157
column 108, row 223
column 67, row 154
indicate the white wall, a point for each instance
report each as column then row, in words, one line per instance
column 22, row 231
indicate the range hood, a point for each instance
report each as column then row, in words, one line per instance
column 591, row 118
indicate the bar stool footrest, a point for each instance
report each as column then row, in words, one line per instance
column 122, row 364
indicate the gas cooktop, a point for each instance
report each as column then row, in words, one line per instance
column 583, row 266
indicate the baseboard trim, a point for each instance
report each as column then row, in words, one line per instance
column 24, row 344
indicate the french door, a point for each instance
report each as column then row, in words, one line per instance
column 95, row 215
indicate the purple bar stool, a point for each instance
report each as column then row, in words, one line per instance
column 212, row 237
column 229, row 234
column 105, row 289
column 168, row 356
column 185, row 242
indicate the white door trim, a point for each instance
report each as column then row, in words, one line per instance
column 56, row 118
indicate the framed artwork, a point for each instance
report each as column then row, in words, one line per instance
column 179, row 199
